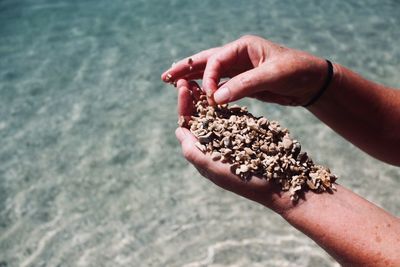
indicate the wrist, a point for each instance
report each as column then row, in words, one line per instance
column 324, row 87
column 280, row 202
column 310, row 76
column 336, row 80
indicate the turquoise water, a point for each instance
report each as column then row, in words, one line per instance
column 90, row 171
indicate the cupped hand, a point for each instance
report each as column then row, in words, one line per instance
column 255, row 67
column 256, row 189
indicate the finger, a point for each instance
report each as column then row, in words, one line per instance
column 182, row 82
column 189, row 150
column 180, row 134
column 194, row 76
column 245, row 84
column 217, row 64
column 199, row 75
column 185, row 100
column 203, row 161
column 188, row 65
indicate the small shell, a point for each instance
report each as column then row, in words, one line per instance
column 244, row 168
column 311, row 184
column 227, row 133
column 248, row 151
column 287, row 142
column 233, row 118
column 181, row 121
column 226, row 151
column 262, row 121
column 224, row 159
column 237, row 171
column 235, row 108
column 204, row 139
column 215, row 144
column 201, row 147
column 264, row 148
column 210, row 113
column 226, row 141
column 215, row 155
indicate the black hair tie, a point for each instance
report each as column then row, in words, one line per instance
column 324, row 87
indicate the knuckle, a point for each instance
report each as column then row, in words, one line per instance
column 246, row 81
column 247, row 37
column 215, row 60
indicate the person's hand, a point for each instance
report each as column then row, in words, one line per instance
column 256, row 189
column 257, row 68
column 342, row 223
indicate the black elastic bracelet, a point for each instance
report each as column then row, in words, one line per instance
column 324, row 87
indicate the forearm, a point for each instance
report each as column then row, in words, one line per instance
column 352, row 230
column 365, row 113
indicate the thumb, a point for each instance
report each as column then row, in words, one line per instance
column 245, row 84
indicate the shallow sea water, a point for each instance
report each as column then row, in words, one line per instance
column 90, row 171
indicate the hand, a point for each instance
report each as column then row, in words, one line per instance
column 257, row 68
column 256, row 189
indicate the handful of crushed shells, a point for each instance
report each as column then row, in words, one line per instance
column 256, row 146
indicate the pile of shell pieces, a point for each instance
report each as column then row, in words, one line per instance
column 256, row 147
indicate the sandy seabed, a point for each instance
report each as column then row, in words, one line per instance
column 90, row 171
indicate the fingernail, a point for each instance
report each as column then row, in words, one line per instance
column 222, row 95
